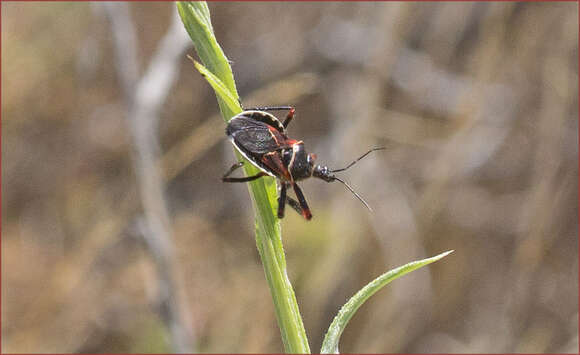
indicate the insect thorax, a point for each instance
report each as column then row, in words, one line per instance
column 300, row 164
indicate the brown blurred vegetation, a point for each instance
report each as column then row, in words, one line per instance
column 477, row 103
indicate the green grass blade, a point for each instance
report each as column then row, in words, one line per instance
column 218, row 86
column 330, row 344
column 216, row 69
column 196, row 18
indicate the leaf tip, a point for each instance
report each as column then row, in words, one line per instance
column 442, row 255
column 197, row 65
column 195, row 62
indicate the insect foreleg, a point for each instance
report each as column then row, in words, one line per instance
column 283, row 199
column 303, row 205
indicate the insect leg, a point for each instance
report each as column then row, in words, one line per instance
column 225, row 178
column 303, row 205
column 282, row 200
column 269, row 108
column 289, row 117
column 234, row 167
column 244, row 179
column 294, row 204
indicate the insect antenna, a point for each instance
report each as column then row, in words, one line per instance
column 356, row 160
column 357, row 195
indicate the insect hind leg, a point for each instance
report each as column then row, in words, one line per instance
column 244, row 179
column 225, row 178
column 233, row 168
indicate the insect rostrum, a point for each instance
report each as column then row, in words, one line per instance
column 261, row 138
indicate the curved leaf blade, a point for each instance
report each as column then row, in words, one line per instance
column 218, row 86
column 196, row 19
column 330, row 344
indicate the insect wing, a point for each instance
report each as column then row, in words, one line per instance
column 266, row 118
column 255, row 137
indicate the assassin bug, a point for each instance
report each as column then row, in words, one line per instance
column 261, row 138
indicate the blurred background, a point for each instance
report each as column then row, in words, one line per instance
column 118, row 235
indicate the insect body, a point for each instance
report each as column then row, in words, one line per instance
column 261, row 138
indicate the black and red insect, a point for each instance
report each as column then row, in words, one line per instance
column 261, row 138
